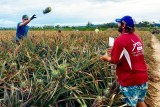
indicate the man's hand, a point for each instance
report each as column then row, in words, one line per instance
column 105, row 57
column 34, row 16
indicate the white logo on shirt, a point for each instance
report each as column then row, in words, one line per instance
column 137, row 45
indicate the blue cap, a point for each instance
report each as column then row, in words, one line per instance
column 127, row 19
column 25, row 17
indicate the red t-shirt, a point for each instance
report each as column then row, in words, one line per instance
column 127, row 54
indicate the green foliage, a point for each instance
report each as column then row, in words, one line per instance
column 144, row 25
column 54, row 69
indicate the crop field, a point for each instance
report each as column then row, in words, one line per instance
column 55, row 69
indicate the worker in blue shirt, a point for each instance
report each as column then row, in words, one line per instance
column 22, row 30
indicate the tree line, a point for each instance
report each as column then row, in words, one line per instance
column 88, row 26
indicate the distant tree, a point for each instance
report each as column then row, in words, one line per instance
column 48, row 27
column 145, row 24
column 89, row 24
column 57, row 26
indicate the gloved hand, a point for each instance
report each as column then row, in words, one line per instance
column 34, row 16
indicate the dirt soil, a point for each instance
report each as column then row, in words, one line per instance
column 154, row 85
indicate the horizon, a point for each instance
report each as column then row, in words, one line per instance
column 74, row 25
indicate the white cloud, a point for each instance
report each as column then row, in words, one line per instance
column 4, row 22
column 12, row 7
column 80, row 11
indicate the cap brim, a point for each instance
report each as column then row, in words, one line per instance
column 118, row 20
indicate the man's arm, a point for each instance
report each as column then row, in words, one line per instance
column 27, row 21
column 106, row 58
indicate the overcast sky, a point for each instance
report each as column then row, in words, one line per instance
column 77, row 12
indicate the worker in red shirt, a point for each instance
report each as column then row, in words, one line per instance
column 131, row 69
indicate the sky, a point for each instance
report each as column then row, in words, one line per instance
column 77, row 12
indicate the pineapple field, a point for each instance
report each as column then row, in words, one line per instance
column 63, row 69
